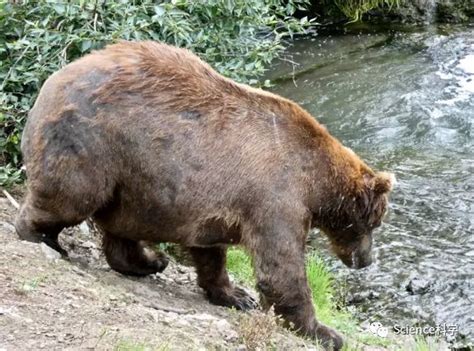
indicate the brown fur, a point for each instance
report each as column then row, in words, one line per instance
column 154, row 145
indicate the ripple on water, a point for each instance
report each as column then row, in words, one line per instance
column 408, row 107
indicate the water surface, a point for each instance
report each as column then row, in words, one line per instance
column 404, row 101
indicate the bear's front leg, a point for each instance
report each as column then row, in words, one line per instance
column 281, row 281
column 213, row 278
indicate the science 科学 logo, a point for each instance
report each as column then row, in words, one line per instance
column 448, row 330
column 378, row 329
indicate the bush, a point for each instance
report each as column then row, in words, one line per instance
column 239, row 38
column 355, row 9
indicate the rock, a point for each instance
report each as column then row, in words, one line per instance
column 362, row 296
column 226, row 330
column 84, row 228
column 203, row 317
column 418, row 11
column 182, row 323
column 50, row 253
column 89, row 245
column 8, row 227
column 418, row 286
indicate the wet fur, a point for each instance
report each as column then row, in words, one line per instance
column 154, row 145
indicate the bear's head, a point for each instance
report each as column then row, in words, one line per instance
column 353, row 204
column 353, row 214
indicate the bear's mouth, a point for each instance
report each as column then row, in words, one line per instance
column 356, row 260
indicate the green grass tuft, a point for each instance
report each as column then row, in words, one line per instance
column 421, row 344
column 131, row 345
column 322, row 284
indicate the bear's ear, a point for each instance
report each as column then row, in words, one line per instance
column 381, row 183
column 374, row 199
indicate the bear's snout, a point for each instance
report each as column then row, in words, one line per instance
column 357, row 260
column 361, row 261
column 356, row 255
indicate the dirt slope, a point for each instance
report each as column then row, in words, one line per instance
column 50, row 303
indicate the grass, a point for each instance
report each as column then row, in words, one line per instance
column 131, row 345
column 321, row 282
column 256, row 330
column 239, row 265
column 30, row 285
column 328, row 309
column 421, row 344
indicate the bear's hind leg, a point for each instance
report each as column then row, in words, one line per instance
column 37, row 225
column 131, row 257
column 213, row 278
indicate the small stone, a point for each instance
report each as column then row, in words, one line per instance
column 89, row 245
column 226, row 329
column 84, row 228
column 418, row 286
column 231, row 335
column 95, row 255
column 223, row 325
column 8, row 227
column 363, row 296
column 203, row 317
column 182, row 323
column 50, row 253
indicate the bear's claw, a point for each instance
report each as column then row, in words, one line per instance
column 237, row 298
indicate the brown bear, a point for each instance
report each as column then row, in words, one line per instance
column 155, row 146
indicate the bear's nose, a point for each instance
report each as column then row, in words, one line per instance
column 361, row 261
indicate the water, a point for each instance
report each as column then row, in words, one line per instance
column 430, row 9
column 404, row 101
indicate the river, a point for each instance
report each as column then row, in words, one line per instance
column 404, row 101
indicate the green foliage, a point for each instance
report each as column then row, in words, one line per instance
column 421, row 344
column 239, row 38
column 239, row 265
column 321, row 282
column 355, row 9
column 9, row 175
